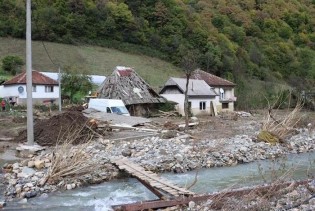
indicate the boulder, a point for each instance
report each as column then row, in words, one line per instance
column 39, row 164
column 68, row 186
column 15, row 166
column 30, row 194
column 12, row 181
column 126, row 153
column 30, row 164
column 191, row 204
column 26, row 171
column 73, row 185
column 18, row 188
column 169, row 134
column 179, row 157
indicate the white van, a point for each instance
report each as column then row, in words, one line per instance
column 109, row 106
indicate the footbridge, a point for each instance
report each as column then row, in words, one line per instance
column 159, row 186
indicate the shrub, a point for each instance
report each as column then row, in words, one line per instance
column 12, row 64
column 168, row 106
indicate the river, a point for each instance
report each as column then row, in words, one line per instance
column 101, row 197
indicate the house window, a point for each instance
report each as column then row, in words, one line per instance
column 49, row 88
column 222, row 94
column 34, row 88
column 225, row 105
column 202, row 105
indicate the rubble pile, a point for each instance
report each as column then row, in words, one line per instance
column 28, row 178
column 181, row 153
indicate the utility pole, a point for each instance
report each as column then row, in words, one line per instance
column 29, row 102
column 59, row 80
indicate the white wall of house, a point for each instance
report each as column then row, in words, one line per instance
column 41, row 94
column 1, row 91
column 178, row 98
column 225, row 100
column 195, row 104
column 201, row 106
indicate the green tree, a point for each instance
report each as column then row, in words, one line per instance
column 75, row 86
column 12, row 64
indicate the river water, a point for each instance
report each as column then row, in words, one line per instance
column 101, row 197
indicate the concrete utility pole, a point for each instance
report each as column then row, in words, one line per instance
column 29, row 103
column 59, row 80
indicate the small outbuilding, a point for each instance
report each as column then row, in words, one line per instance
column 125, row 84
column 201, row 96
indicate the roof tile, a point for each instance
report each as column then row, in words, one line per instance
column 210, row 79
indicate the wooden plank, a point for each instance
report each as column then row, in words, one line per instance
column 150, row 178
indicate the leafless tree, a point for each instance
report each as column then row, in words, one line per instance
column 189, row 64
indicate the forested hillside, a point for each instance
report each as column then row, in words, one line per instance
column 263, row 40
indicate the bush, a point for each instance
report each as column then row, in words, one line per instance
column 45, row 108
column 168, row 106
column 12, row 64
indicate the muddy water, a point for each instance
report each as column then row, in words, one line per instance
column 101, row 197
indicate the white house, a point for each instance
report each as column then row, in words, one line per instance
column 95, row 79
column 201, row 96
column 221, row 86
column 45, row 89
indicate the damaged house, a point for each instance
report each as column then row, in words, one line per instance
column 125, row 84
column 201, row 97
column 221, row 86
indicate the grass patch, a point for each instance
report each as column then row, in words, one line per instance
column 90, row 59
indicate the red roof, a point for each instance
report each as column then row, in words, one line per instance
column 211, row 80
column 125, row 72
column 37, row 78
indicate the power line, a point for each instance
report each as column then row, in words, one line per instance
column 35, row 21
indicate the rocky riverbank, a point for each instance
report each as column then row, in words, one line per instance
column 178, row 154
column 294, row 197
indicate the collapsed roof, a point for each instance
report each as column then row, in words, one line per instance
column 125, row 84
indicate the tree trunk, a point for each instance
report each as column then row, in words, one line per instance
column 186, row 105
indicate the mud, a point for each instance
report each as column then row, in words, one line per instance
column 62, row 127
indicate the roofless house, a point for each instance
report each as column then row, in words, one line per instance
column 125, row 84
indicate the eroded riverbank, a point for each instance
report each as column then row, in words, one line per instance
column 178, row 154
column 129, row 190
column 214, row 143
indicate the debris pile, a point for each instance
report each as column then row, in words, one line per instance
column 168, row 113
column 30, row 177
column 50, row 131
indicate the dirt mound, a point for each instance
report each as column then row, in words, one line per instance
column 71, row 124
